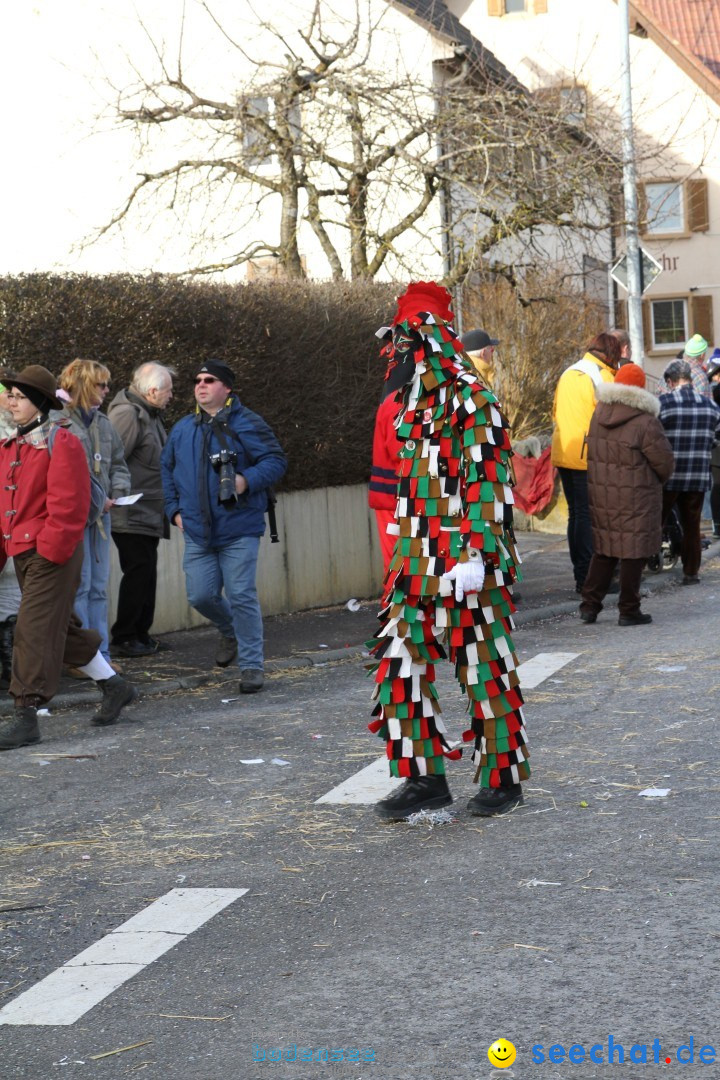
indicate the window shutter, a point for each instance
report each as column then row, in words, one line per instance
column 642, row 209
column 646, row 326
column 496, row 7
column 621, row 317
column 697, row 200
column 701, row 316
column 540, row 7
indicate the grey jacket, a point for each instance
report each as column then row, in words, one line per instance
column 103, row 449
column 143, row 436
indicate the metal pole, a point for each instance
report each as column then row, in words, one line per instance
column 634, row 300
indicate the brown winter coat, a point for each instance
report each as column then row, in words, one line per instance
column 629, row 460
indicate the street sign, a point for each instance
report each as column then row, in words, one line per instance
column 650, row 270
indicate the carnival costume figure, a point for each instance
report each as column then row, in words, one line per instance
column 451, row 574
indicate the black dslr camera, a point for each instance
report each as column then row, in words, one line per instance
column 224, row 464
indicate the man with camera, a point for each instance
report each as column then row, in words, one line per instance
column 217, row 467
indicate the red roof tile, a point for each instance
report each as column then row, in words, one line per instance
column 693, row 24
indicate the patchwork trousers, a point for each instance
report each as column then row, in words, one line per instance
column 476, row 632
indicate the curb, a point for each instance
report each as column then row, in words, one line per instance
column 329, row 656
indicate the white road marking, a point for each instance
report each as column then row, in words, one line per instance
column 541, row 667
column 81, row 984
column 367, row 786
column 374, row 782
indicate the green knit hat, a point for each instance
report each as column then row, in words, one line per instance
column 696, row 346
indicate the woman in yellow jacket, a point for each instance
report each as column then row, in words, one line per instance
column 573, row 408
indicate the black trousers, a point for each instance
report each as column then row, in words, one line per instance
column 689, row 505
column 579, row 531
column 598, row 581
column 715, row 494
column 136, row 596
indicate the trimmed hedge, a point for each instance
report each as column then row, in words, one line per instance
column 304, row 354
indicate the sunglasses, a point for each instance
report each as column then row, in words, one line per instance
column 103, row 385
column 206, row 381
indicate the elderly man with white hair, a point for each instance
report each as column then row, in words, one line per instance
column 135, row 414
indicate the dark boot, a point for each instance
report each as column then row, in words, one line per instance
column 7, row 637
column 489, row 802
column 21, row 729
column 251, row 680
column 226, row 651
column 419, row 793
column 640, row 618
column 116, row 693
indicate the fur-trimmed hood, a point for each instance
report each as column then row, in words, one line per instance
column 617, row 403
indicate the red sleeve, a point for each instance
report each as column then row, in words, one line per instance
column 385, row 461
column 67, row 500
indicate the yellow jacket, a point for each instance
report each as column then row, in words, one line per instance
column 485, row 370
column 573, row 408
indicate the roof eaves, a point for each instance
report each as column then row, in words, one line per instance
column 704, row 76
column 436, row 17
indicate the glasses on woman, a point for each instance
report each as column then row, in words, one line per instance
column 103, row 385
column 16, row 397
column 208, row 381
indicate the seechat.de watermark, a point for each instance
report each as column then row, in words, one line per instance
column 611, row 1052
column 307, row 1054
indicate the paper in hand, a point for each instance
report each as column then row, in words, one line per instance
column 127, row 500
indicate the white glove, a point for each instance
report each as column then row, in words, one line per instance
column 468, row 577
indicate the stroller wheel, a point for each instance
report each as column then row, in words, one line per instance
column 654, row 564
column 669, row 560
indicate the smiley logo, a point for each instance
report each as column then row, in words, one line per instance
column 501, row 1054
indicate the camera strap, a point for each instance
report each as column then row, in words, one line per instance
column 221, row 429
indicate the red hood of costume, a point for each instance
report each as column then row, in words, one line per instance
column 424, row 296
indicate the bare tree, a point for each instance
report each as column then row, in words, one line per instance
column 537, row 342
column 389, row 169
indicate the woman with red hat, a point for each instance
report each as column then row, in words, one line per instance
column 44, row 505
column 629, row 459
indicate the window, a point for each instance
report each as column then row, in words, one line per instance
column 669, row 323
column 512, row 7
column 259, row 142
column 254, row 142
column 573, row 104
column 665, row 209
column 595, row 281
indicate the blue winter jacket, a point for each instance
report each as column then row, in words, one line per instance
column 191, row 484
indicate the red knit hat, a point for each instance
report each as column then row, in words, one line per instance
column 630, row 375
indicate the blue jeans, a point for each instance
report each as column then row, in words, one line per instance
column 91, row 599
column 237, row 613
column 579, row 532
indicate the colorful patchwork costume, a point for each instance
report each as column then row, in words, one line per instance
column 454, row 523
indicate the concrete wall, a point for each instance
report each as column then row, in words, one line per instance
column 328, row 552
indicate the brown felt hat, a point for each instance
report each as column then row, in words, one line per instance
column 38, row 384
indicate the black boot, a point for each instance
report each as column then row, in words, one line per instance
column 640, row 618
column 489, row 802
column 7, row 637
column 251, row 680
column 21, row 729
column 416, row 794
column 116, row 693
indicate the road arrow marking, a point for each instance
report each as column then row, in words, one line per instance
column 373, row 782
column 81, row 984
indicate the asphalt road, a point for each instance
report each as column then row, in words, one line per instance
column 589, row 913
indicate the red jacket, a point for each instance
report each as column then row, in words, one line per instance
column 385, row 461
column 44, row 499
